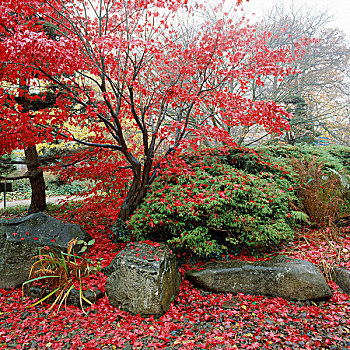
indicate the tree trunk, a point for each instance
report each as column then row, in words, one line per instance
column 132, row 199
column 138, row 189
column 36, row 178
column 126, row 210
column 290, row 138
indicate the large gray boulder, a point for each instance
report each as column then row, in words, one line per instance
column 21, row 239
column 292, row 279
column 143, row 279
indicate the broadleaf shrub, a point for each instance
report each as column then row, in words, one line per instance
column 224, row 196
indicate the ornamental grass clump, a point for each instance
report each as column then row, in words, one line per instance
column 57, row 275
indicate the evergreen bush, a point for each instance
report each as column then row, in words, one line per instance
column 219, row 197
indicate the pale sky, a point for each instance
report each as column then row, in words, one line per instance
column 340, row 9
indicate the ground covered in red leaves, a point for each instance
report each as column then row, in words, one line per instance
column 196, row 319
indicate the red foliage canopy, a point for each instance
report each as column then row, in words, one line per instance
column 125, row 72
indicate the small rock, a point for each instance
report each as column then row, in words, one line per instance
column 341, row 277
column 127, row 346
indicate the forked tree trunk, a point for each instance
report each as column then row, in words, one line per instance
column 36, row 178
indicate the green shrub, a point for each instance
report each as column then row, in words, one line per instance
column 224, row 196
column 342, row 153
column 332, row 157
column 5, row 168
column 69, row 188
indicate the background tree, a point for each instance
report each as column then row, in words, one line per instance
column 320, row 70
column 34, row 165
column 120, row 66
column 27, row 101
column 337, row 128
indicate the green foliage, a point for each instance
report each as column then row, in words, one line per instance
column 333, row 157
column 223, row 196
column 302, row 126
column 6, row 169
column 22, row 189
column 197, row 240
column 85, row 245
column 22, row 210
column 342, row 154
column 300, row 216
column 120, row 231
column 344, row 178
column 241, row 196
column 70, row 188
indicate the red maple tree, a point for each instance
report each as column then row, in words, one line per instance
column 123, row 71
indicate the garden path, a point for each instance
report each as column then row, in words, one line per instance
column 26, row 202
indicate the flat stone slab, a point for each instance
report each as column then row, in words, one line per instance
column 143, row 279
column 21, row 239
column 292, row 279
